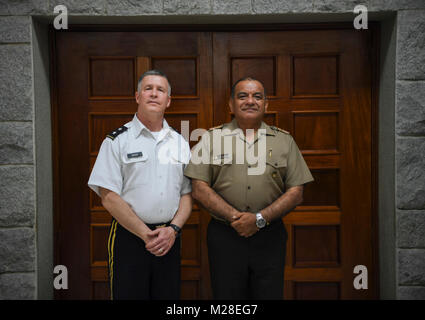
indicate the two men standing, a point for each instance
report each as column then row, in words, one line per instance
column 143, row 189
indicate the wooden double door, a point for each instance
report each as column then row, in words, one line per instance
column 320, row 88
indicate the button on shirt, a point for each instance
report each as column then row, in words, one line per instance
column 147, row 172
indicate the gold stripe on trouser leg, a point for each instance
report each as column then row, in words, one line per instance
column 111, row 242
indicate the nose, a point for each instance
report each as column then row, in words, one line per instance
column 250, row 100
column 154, row 92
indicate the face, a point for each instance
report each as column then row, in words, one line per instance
column 153, row 95
column 249, row 102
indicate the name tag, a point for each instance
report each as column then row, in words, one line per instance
column 134, row 155
column 222, row 156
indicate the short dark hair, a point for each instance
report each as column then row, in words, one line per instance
column 153, row 72
column 232, row 91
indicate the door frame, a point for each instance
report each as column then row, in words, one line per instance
column 374, row 28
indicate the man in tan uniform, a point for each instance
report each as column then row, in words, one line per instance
column 246, row 237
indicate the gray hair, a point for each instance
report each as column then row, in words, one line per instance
column 153, row 73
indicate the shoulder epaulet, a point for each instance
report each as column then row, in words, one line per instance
column 217, row 127
column 116, row 132
column 279, row 129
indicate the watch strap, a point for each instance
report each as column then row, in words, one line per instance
column 176, row 228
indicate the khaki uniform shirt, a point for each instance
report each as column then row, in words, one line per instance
column 284, row 168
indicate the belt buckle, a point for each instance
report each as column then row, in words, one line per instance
column 161, row 226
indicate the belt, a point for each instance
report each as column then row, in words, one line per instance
column 158, row 225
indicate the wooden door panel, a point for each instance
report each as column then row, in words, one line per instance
column 182, row 72
column 112, row 77
column 324, row 190
column 316, row 246
column 316, row 131
column 314, row 75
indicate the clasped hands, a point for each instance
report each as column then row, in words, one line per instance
column 159, row 241
column 244, row 223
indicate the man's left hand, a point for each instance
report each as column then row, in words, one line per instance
column 161, row 241
column 245, row 224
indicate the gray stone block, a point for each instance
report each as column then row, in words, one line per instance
column 394, row 5
column 81, row 7
column 23, row 7
column 410, row 164
column 411, row 267
column 411, row 45
column 16, row 101
column 133, row 7
column 279, row 6
column 411, row 228
column 17, row 286
column 232, row 7
column 17, row 250
column 16, row 143
column 187, row 6
column 410, row 106
column 336, row 6
column 411, row 293
column 17, row 202
column 15, row 29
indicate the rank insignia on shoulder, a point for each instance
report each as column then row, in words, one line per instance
column 279, row 129
column 116, row 132
column 217, row 127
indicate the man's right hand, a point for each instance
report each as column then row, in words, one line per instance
column 244, row 224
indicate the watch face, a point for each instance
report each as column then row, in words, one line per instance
column 261, row 223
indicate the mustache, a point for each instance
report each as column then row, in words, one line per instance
column 250, row 108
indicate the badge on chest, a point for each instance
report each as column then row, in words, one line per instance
column 135, row 155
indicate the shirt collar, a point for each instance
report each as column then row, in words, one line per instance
column 269, row 131
column 138, row 127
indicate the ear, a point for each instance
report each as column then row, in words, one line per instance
column 266, row 105
column 231, row 104
column 169, row 102
column 137, row 96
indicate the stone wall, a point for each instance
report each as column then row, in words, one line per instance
column 17, row 179
column 18, row 209
column 410, row 153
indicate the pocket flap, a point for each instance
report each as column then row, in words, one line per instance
column 276, row 162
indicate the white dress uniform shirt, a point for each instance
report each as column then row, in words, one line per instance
column 147, row 172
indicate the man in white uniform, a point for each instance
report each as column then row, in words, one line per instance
column 139, row 176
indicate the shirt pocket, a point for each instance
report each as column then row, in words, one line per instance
column 276, row 170
column 136, row 170
column 222, row 175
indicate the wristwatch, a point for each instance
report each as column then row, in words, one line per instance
column 177, row 229
column 261, row 222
